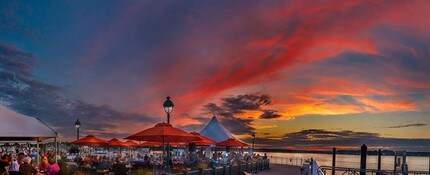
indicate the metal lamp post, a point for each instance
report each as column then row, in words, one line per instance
column 168, row 108
column 77, row 126
column 253, row 140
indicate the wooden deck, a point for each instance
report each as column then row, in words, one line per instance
column 277, row 169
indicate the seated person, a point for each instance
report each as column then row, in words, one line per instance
column 120, row 169
column 27, row 168
column 54, row 168
column 15, row 165
column 3, row 163
column 44, row 164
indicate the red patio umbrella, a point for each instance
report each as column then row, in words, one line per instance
column 131, row 143
column 90, row 140
column 148, row 144
column 163, row 132
column 115, row 142
column 232, row 142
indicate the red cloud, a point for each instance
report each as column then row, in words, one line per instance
column 220, row 53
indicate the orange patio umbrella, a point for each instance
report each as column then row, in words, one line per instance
column 131, row 143
column 90, row 140
column 204, row 140
column 163, row 132
column 116, row 142
column 232, row 143
column 148, row 144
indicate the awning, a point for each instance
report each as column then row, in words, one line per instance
column 18, row 127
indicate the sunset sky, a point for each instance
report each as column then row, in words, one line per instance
column 300, row 74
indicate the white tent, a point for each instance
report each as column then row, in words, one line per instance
column 215, row 131
column 18, row 127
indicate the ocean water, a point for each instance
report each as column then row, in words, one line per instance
column 415, row 163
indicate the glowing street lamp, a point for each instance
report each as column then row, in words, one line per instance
column 168, row 108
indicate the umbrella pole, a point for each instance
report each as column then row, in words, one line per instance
column 168, row 157
column 37, row 151
column 162, row 159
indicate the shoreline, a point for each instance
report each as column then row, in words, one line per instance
column 342, row 152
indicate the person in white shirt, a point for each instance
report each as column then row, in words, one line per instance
column 15, row 165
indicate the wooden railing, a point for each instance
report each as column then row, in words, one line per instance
column 356, row 171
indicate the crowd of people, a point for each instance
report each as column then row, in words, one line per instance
column 25, row 164
column 233, row 158
column 189, row 161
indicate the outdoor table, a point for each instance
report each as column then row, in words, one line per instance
column 100, row 171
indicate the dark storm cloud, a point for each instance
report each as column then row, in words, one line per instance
column 240, row 103
column 193, row 127
column 270, row 114
column 320, row 134
column 408, row 125
column 231, row 106
column 20, row 91
column 325, row 139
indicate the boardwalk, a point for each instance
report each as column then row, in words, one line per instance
column 277, row 169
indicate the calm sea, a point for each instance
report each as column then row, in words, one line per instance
column 415, row 163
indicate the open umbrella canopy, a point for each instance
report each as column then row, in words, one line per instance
column 131, row 143
column 204, row 140
column 148, row 144
column 232, row 142
column 90, row 140
column 163, row 132
column 115, row 142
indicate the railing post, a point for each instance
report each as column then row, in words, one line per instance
column 260, row 166
column 257, row 166
column 229, row 170
column 213, row 170
column 404, row 164
column 201, row 171
column 312, row 165
column 363, row 158
column 333, row 163
column 379, row 162
column 223, row 169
